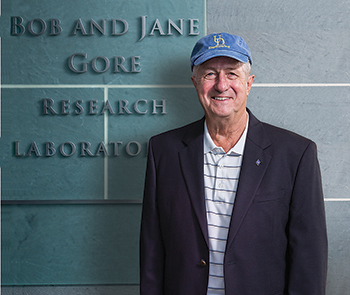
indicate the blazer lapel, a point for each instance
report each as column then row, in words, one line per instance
column 191, row 161
column 254, row 165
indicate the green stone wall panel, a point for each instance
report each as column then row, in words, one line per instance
column 70, row 244
column 44, row 58
column 81, row 176
column 35, row 68
column 56, row 177
column 65, row 243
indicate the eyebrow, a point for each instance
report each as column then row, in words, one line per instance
column 215, row 70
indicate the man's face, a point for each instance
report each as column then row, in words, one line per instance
column 222, row 86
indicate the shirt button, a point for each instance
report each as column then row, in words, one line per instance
column 203, row 262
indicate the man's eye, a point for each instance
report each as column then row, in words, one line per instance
column 210, row 76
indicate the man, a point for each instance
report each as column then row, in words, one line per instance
column 231, row 205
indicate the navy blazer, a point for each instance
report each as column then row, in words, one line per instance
column 277, row 242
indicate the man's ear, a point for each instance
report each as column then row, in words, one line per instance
column 194, row 82
column 250, row 83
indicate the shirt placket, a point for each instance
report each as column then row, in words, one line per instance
column 220, row 172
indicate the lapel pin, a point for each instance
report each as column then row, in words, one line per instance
column 258, row 162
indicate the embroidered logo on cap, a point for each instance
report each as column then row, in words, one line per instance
column 220, row 42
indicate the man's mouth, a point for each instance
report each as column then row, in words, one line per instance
column 220, row 98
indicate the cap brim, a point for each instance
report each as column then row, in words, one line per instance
column 232, row 54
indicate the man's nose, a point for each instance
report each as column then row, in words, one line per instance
column 222, row 83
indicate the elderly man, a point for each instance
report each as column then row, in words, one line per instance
column 231, row 205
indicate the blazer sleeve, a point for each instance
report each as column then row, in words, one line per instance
column 151, row 245
column 307, row 248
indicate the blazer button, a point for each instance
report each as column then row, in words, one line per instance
column 203, row 262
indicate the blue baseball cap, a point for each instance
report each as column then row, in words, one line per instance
column 222, row 44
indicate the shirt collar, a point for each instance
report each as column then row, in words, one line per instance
column 209, row 145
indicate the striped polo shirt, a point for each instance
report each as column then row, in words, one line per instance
column 221, row 173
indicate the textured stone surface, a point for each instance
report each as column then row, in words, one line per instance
column 72, row 290
column 46, row 157
column 293, row 43
column 70, row 244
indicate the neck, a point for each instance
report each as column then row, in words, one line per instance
column 226, row 133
